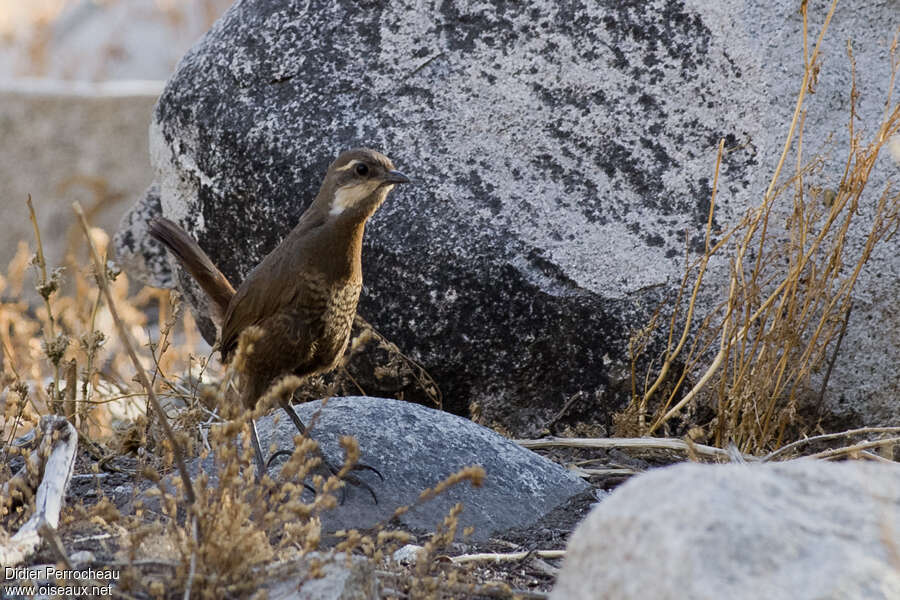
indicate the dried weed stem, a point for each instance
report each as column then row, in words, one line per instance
column 777, row 322
column 101, row 273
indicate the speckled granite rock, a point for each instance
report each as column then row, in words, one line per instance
column 800, row 530
column 562, row 150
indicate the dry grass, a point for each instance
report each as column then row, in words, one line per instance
column 223, row 541
column 75, row 325
column 755, row 357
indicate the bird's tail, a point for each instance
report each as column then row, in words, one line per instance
column 195, row 261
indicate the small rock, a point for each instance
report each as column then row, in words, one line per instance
column 82, row 557
column 407, row 555
column 416, row 447
column 342, row 579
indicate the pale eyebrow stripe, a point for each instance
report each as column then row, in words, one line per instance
column 349, row 165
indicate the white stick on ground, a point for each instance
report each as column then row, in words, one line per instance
column 647, row 443
column 58, row 443
column 508, row 556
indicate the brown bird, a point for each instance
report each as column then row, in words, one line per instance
column 303, row 295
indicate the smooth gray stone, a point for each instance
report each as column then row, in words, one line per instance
column 337, row 580
column 414, row 448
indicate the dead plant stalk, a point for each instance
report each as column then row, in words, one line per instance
column 771, row 341
column 45, row 290
column 100, row 268
column 720, row 357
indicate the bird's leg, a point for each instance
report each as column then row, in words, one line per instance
column 292, row 414
column 262, row 466
column 298, row 423
column 260, row 459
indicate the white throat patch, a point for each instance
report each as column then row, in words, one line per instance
column 351, row 194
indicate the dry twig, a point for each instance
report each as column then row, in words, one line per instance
column 100, row 268
column 825, row 437
column 506, row 556
column 836, row 452
column 630, row 443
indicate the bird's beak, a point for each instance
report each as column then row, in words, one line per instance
column 395, row 177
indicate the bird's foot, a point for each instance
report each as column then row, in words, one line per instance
column 351, row 479
column 356, row 481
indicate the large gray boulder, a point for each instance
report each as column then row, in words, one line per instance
column 561, row 150
column 799, row 530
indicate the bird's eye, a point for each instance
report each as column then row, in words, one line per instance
column 362, row 169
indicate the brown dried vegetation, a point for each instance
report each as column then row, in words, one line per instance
column 761, row 358
column 223, row 541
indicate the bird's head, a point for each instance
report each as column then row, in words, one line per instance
column 357, row 183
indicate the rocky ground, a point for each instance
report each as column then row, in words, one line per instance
column 112, row 487
column 118, row 482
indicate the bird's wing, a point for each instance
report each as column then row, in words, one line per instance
column 273, row 284
column 257, row 298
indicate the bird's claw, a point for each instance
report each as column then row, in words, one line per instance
column 352, row 480
column 363, row 467
column 276, row 455
column 356, row 481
